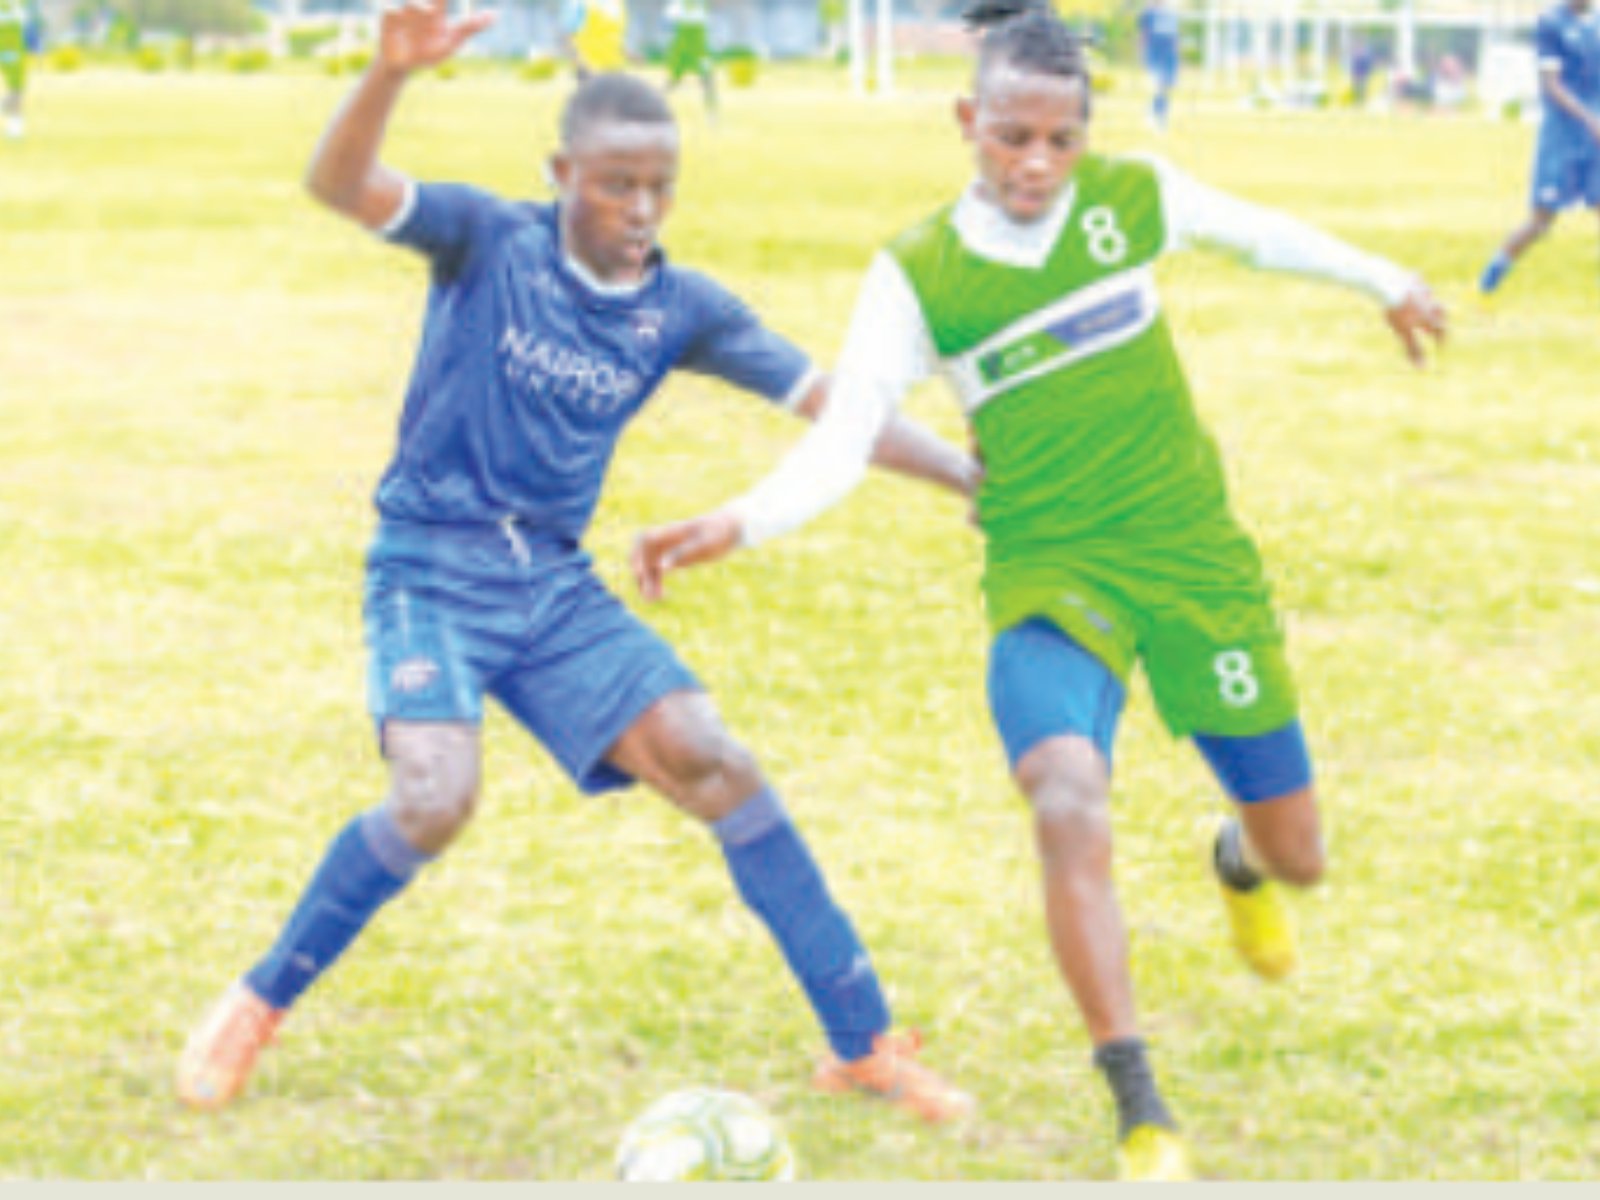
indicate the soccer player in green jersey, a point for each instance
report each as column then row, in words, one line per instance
column 1110, row 539
column 689, row 52
column 14, row 25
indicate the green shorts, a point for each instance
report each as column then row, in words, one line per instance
column 1215, row 656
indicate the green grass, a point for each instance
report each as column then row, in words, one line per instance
column 199, row 376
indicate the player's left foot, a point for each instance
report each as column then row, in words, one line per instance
column 1153, row 1154
column 1263, row 930
column 891, row 1072
column 221, row 1052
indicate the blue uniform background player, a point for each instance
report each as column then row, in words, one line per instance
column 1158, row 41
column 547, row 329
column 1566, row 168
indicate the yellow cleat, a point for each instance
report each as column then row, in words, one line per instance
column 1151, row 1154
column 1263, row 930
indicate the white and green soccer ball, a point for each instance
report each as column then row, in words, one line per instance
column 705, row 1134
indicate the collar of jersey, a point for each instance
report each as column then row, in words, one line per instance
column 986, row 231
column 587, row 279
column 607, row 291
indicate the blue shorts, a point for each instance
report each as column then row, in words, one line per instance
column 1566, row 170
column 455, row 611
column 1043, row 684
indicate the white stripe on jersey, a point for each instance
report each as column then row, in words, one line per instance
column 1106, row 314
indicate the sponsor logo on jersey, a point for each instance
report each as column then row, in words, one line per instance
column 590, row 384
column 647, row 323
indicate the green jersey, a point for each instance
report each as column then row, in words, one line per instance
column 13, row 32
column 1102, row 489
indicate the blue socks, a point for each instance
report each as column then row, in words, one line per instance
column 365, row 866
column 369, row 862
column 779, row 880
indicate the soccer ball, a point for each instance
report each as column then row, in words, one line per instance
column 704, row 1134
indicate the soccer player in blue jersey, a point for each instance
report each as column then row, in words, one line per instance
column 1566, row 167
column 1158, row 44
column 547, row 329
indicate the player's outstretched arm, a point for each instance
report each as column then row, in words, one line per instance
column 1275, row 241
column 883, row 356
column 909, row 449
column 345, row 173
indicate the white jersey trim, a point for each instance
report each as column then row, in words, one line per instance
column 1112, row 311
column 408, row 205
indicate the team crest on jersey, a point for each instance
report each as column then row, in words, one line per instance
column 414, row 675
column 647, row 323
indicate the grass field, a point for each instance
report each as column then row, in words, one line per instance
column 199, row 376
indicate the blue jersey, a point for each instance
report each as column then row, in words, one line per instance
column 1158, row 26
column 1570, row 44
column 527, row 373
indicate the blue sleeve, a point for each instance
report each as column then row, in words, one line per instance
column 733, row 345
column 451, row 223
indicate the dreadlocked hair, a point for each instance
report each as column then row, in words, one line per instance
column 1036, row 41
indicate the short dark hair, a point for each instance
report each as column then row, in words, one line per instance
column 612, row 96
column 983, row 15
column 1037, row 41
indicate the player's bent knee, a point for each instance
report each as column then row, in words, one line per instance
column 705, row 771
column 433, row 785
column 1064, row 772
column 1069, row 790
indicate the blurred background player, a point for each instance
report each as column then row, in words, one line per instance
column 689, row 52
column 547, row 329
column 19, row 35
column 595, row 35
column 1158, row 46
column 1566, row 165
column 1110, row 539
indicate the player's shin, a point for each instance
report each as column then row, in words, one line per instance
column 780, row 881
column 366, row 865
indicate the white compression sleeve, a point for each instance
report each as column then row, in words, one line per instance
column 1270, row 239
column 884, row 354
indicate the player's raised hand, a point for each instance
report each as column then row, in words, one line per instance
column 684, row 544
column 421, row 33
column 1418, row 316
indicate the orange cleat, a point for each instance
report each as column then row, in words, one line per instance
column 222, row 1051
column 892, row 1073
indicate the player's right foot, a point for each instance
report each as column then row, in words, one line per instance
column 892, row 1073
column 1153, row 1154
column 222, row 1051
